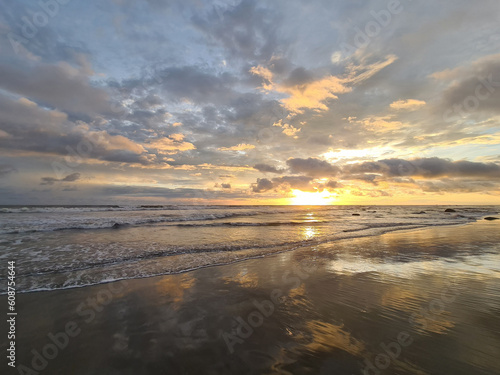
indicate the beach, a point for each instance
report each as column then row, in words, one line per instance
column 250, row 187
column 409, row 301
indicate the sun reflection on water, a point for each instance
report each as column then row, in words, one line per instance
column 308, row 233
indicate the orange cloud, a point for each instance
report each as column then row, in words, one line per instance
column 172, row 144
column 239, row 147
column 408, row 104
column 288, row 129
column 312, row 95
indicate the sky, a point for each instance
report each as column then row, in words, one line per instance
column 250, row 102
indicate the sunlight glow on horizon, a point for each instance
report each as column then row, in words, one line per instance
column 312, row 198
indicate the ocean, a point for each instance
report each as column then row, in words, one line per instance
column 403, row 290
column 58, row 247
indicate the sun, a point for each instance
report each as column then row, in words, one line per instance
column 311, row 199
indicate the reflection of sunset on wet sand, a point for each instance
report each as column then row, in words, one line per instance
column 429, row 297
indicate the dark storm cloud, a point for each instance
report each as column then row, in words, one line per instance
column 261, row 167
column 312, row 167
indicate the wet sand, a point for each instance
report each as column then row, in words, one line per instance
column 411, row 302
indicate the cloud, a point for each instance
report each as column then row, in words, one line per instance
column 246, row 30
column 263, row 184
column 6, row 170
column 312, row 167
column 379, row 124
column 247, row 73
column 408, row 104
column 169, row 145
column 365, row 69
column 261, row 167
column 308, row 94
column 457, row 186
column 426, row 167
column 314, row 94
column 190, row 82
column 288, row 129
column 294, row 182
column 226, row 186
column 330, row 184
column 32, row 128
column 60, row 86
column 472, row 88
column 26, row 113
column 285, row 183
column 69, row 178
column 239, row 147
column 305, row 91
column 299, row 77
column 160, row 192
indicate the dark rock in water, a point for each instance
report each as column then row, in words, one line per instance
column 356, row 215
column 450, row 210
column 419, row 213
column 491, row 218
column 116, row 226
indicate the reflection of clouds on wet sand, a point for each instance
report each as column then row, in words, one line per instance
column 361, row 294
column 244, row 279
column 326, row 336
column 175, row 287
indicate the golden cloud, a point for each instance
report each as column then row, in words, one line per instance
column 239, row 147
column 313, row 94
column 172, row 144
column 288, row 129
column 379, row 123
column 408, row 104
